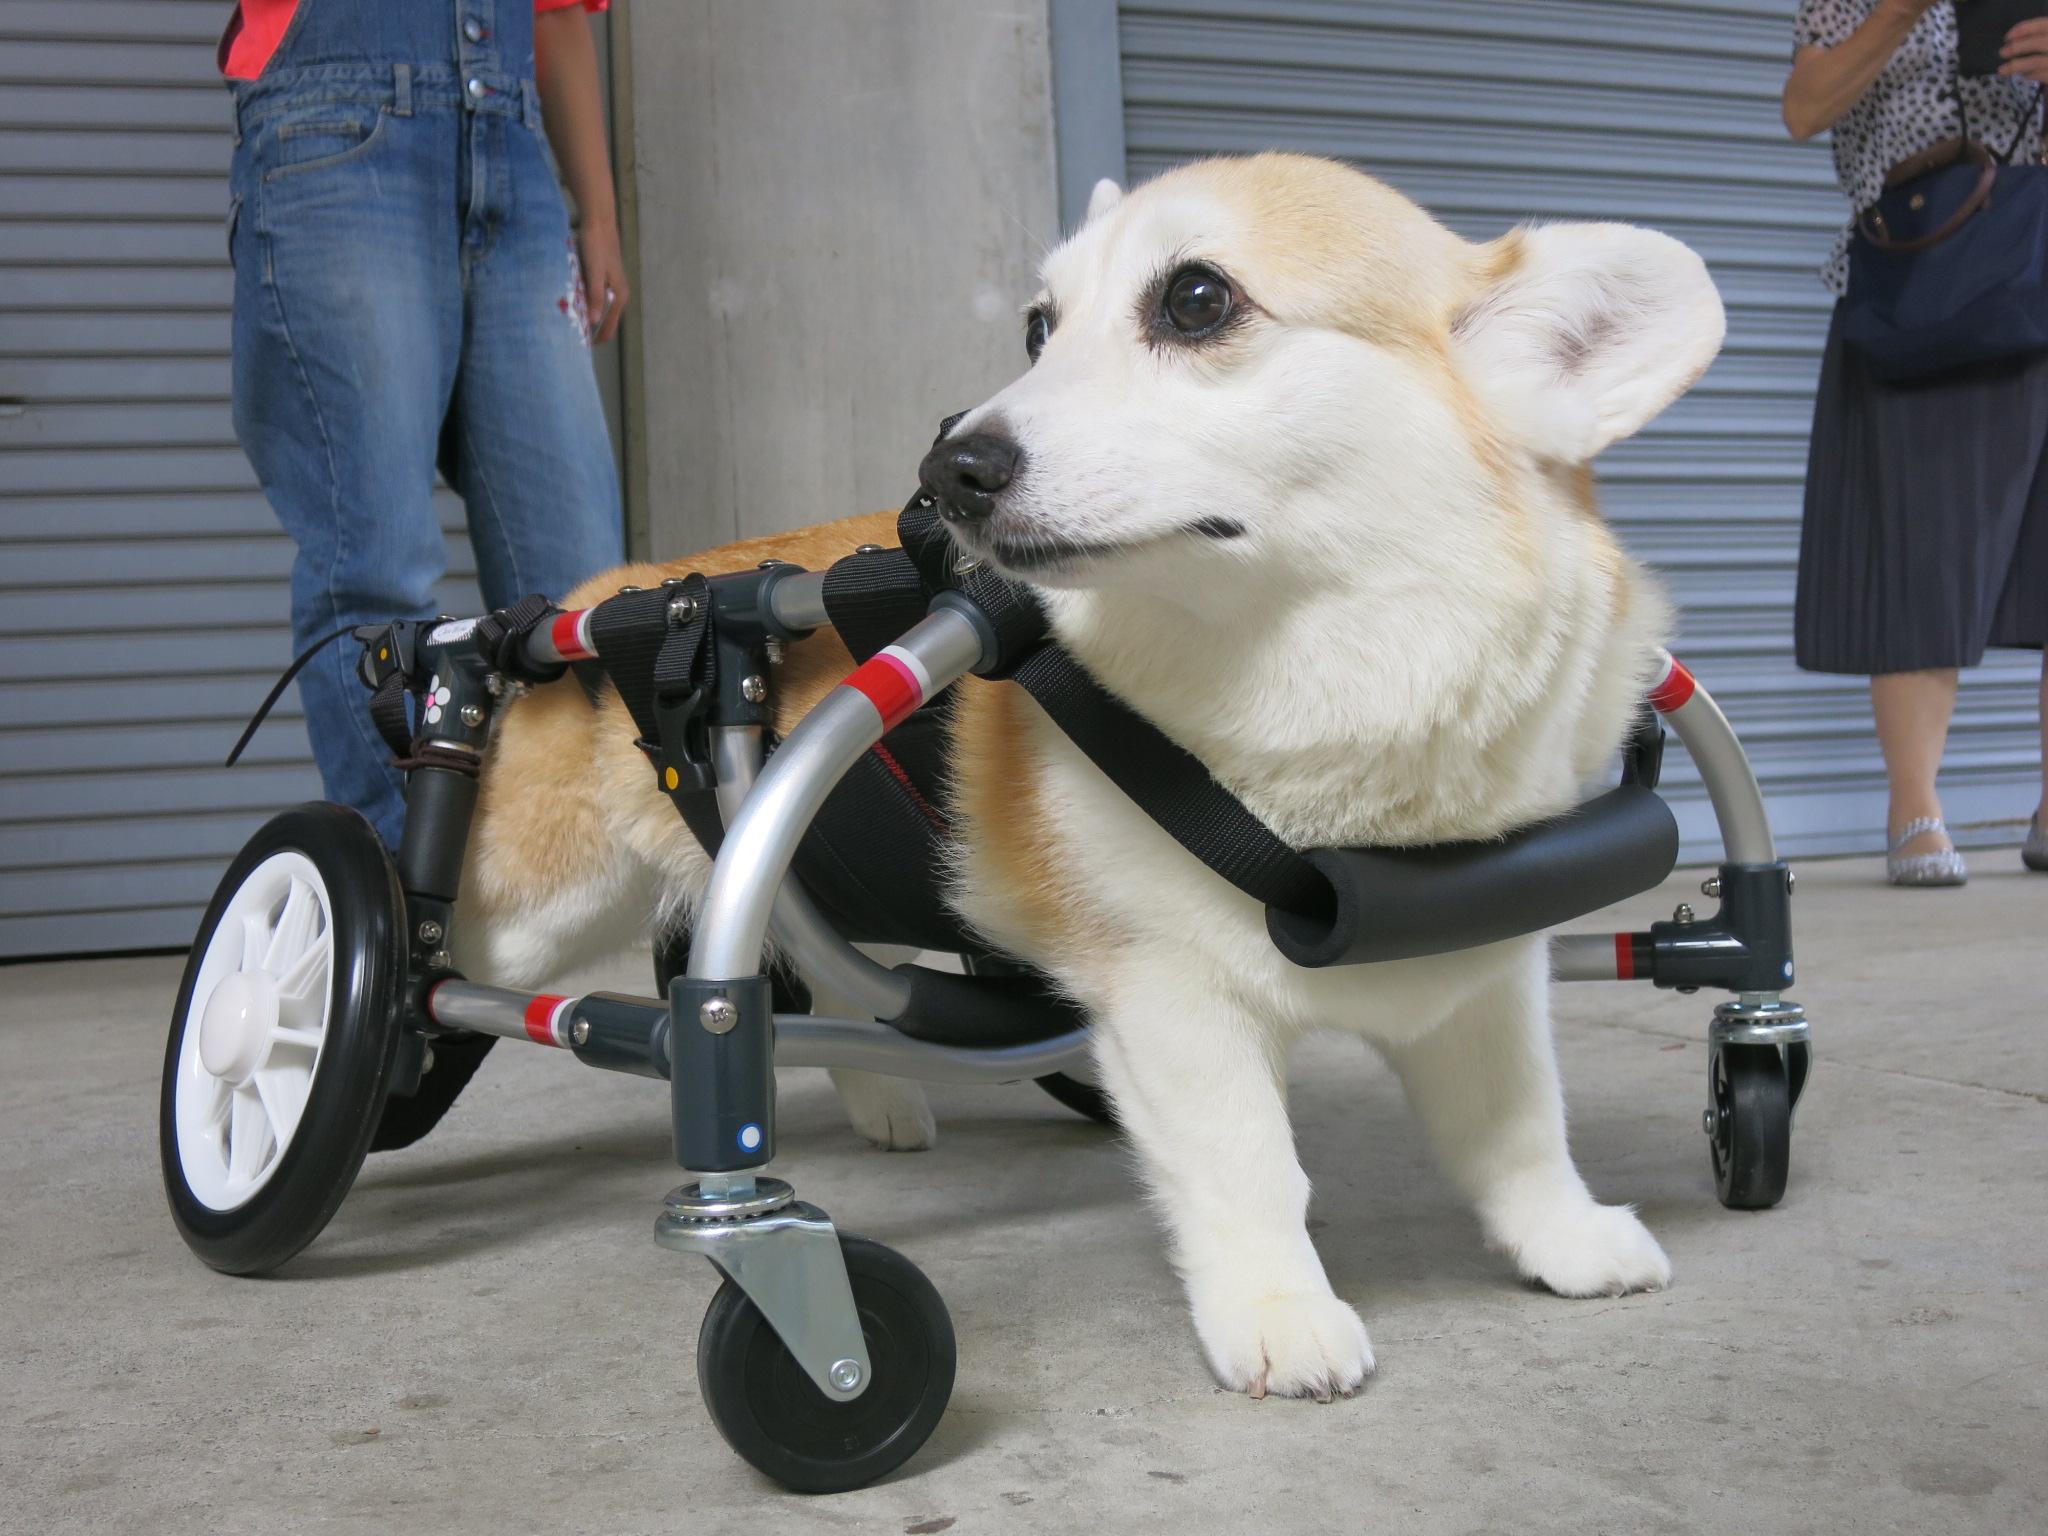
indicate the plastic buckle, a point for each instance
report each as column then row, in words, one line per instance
column 682, row 755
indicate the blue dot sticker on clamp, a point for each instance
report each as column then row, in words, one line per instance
column 750, row 1137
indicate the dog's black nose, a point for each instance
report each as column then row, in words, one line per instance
column 963, row 474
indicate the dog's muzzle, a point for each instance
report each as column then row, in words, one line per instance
column 963, row 475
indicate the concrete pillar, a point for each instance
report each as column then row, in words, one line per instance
column 839, row 209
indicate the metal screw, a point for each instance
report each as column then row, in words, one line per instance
column 718, row 1015
column 754, row 688
column 1711, row 886
column 768, row 565
column 438, row 960
column 673, row 581
column 472, row 715
column 494, row 684
column 1790, row 880
column 579, row 1031
column 867, row 549
column 966, row 565
column 682, row 609
column 624, row 590
column 774, row 649
column 845, row 1374
column 430, row 933
column 1707, row 1119
column 1682, row 913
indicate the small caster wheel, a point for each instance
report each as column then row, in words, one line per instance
column 283, row 1038
column 1749, row 1125
column 1082, row 1098
column 773, row 1414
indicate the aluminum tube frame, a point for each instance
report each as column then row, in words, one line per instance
column 500, row 1011
column 804, row 1040
column 1731, row 783
column 821, row 954
column 798, row 602
column 732, row 925
column 801, row 1039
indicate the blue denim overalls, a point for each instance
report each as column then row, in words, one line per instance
column 404, row 291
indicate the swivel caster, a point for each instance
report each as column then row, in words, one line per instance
column 773, row 1414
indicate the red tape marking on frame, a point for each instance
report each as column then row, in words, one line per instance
column 1624, row 957
column 570, row 634
column 1673, row 689
column 890, row 685
column 541, row 1014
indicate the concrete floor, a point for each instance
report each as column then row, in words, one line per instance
column 487, row 1340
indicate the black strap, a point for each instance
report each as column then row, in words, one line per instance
column 1170, row 784
column 277, row 691
column 388, row 712
column 666, row 673
column 872, row 597
column 501, row 638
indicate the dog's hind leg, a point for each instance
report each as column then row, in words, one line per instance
column 1485, row 1085
column 1199, row 1087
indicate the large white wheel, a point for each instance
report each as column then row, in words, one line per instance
column 283, row 1039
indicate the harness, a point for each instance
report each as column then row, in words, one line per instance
column 874, row 856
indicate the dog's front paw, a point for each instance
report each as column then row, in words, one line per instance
column 1298, row 1344
column 1586, row 1249
column 890, row 1111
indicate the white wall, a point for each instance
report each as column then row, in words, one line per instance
column 839, row 210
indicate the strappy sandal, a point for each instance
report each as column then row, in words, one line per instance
column 2034, row 851
column 1943, row 868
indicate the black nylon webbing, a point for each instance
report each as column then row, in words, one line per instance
column 1171, row 785
column 872, row 598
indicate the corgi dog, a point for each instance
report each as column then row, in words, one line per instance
column 1304, row 478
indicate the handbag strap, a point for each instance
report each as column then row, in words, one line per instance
column 1980, row 197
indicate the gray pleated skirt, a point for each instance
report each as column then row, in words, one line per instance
column 1926, row 530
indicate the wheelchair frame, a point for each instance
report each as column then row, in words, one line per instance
column 717, row 1040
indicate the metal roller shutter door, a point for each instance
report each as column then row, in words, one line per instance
column 1658, row 114
column 142, row 576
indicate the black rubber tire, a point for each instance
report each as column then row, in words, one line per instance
column 776, row 1418
column 1082, row 1098
column 346, row 1096
column 1751, row 1142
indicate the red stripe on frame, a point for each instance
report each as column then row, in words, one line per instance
column 1676, row 687
column 567, row 634
column 890, row 686
column 540, row 1019
column 1624, row 957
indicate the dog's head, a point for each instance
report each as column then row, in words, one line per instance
column 1281, row 358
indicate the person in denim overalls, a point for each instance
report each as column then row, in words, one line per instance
column 407, row 294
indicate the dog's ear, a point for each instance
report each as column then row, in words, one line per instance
column 1588, row 331
column 1107, row 195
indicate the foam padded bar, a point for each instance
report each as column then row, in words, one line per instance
column 987, row 1013
column 1400, row 903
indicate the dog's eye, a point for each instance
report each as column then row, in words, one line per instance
column 1037, row 330
column 1197, row 301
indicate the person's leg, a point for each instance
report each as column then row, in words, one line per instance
column 345, row 310
column 533, row 456
column 1913, row 711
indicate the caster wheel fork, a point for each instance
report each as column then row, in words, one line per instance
column 826, row 1360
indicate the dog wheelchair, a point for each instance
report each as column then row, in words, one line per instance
column 320, row 1017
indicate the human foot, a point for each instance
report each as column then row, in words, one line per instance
column 1921, row 854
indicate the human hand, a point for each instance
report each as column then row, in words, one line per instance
column 2026, row 51
column 604, row 276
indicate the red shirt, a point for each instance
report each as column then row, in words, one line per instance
column 259, row 26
